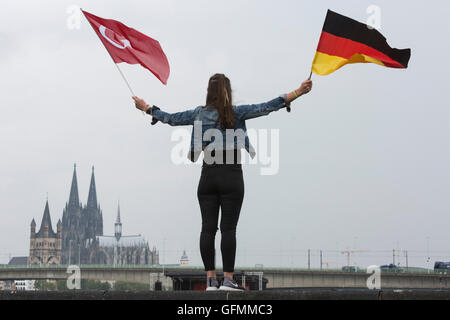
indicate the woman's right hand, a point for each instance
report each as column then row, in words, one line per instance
column 141, row 104
column 305, row 87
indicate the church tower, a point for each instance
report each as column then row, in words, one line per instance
column 184, row 261
column 45, row 246
column 118, row 225
column 72, row 230
column 92, row 214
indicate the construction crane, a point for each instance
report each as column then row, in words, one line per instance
column 348, row 253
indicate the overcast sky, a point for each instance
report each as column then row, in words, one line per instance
column 364, row 158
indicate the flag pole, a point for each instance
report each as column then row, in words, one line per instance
column 121, row 73
column 124, row 79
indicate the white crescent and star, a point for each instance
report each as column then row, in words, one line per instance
column 125, row 42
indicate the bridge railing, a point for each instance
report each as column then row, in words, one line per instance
column 244, row 269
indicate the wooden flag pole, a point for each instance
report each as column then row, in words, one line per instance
column 124, row 79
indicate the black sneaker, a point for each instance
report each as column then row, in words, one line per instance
column 230, row 285
column 212, row 284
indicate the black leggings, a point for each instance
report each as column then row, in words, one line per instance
column 220, row 186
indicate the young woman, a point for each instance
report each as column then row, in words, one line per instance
column 220, row 132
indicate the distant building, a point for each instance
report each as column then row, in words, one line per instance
column 79, row 238
column 45, row 246
column 17, row 284
column 80, row 224
column 18, row 261
column 184, row 261
column 119, row 249
column 24, row 285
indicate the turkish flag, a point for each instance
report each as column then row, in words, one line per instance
column 128, row 45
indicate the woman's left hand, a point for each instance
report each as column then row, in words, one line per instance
column 141, row 104
column 305, row 87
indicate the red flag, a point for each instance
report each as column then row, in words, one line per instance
column 128, row 45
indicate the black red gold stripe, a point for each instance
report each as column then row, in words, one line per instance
column 344, row 40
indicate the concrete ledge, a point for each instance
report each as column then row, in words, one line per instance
column 292, row 294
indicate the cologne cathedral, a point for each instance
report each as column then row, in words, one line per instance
column 79, row 238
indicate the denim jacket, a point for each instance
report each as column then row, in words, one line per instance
column 207, row 130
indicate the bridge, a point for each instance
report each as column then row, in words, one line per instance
column 277, row 277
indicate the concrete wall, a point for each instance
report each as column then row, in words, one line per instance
column 276, row 278
column 316, row 279
column 182, row 296
column 137, row 275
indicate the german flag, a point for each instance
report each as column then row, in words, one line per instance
column 344, row 40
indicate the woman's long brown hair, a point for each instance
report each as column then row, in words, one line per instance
column 219, row 96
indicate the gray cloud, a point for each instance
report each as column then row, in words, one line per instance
column 364, row 157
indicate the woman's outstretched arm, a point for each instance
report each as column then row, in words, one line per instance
column 174, row 119
column 246, row 112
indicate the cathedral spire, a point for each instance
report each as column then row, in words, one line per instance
column 118, row 225
column 118, row 213
column 74, row 200
column 92, row 198
column 46, row 224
